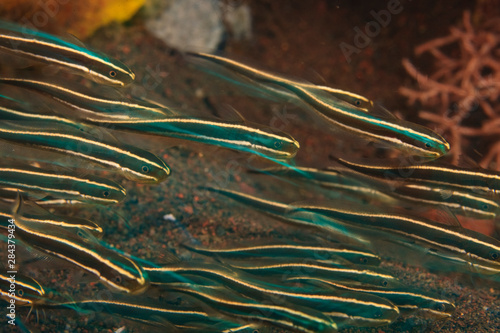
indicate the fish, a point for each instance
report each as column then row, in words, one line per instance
column 133, row 163
column 41, row 46
column 332, row 179
column 40, row 216
column 294, row 250
column 26, row 291
column 9, row 195
column 338, row 231
column 265, row 142
column 21, row 111
column 408, row 300
column 262, row 76
column 87, row 105
column 402, row 135
column 289, row 267
column 351, row 112
column 282, row 314
column 62, row 185
column 477, row 252
column 481, row 181
column 78, row 246
column 356, row 309
column 140, row 309
column 133, row 117
column 459, row 201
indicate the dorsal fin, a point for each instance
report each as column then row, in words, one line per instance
column 229, row 113
column 380, row 111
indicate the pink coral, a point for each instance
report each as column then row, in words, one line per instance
column 465, row 83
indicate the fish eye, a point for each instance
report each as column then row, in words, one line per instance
column 278, row 144
column 145, row 169
column 440, row 307
column 105, row 194
column 385, row 283
column 494, row 255
column 485, row 207
column 363, row 260
column 357, row 102
column 112, row 73
column 427, row 145
column 20, row 292
column 118, row 279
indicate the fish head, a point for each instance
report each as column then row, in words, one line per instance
column 27, row 292
column 273, row 143
column 127, row 278
column 145, row 167
column 436, row 309
column 112, row 72
column 422, row 141
column 99, row 190
column 155, row 172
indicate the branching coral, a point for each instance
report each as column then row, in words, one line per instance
column 465, row 84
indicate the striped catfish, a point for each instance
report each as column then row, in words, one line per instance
column 133, row 163
column 41, row 46
column 37, row 181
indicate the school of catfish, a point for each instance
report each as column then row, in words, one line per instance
column 303, row 286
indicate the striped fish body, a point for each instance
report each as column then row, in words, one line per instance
column 281, row 314
column 88, row 105
column 290, row 267
column 62, row 185
column 133, row 163
column 409, row 137
column 479, row 181
column 41, row 216
column 460, row 201
column 262, row 76
column 333, row 179
column 344, row 232
column 356, row 308
column 264, row 142
column 15, row 110
column 116, row 271
column 142, row 310
column 270, row 250
column 408, row 300
column 350, row 111
column 44, row 47
column 478, row 252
